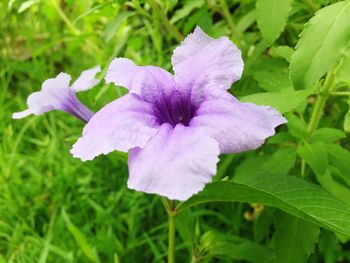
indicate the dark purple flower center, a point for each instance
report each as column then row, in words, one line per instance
column 174, row 109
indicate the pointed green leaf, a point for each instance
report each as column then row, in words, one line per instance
column 272, row 17
column 321, row 44
column 219, row 245
column 291, row 194
column 315, row 155
column 327, row 135
column 294, row 239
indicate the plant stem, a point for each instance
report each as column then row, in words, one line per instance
column 340, row 93
column 320, row 103
column 65, row 18
column 171, row 239
column 163, row 18
column 226, row 12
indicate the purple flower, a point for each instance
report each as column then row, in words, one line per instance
column 56, row 94
column 174, row 127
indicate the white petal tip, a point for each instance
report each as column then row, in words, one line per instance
column 21, row 114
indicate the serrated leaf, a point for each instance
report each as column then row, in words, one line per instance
column 219, row 245
column 283, row 101
column 272, row 17
column 320, row 45
column 340, row 158
column 315, row 155
column 290, row 194
column 327, row 135
column 332, row 186
column 294, row 239
column 263, row 223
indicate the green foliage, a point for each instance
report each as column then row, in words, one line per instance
column 272, row 17
column 294, row 239
column 321, row 44
column 290, row 194
column 288, row 201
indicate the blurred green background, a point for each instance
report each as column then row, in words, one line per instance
column 54, row 208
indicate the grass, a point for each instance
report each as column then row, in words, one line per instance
column 54, row 208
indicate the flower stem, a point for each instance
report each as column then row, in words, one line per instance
column 171, row 238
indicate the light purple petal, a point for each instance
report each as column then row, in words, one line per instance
column 125, row 123
column 86, row 80
column 21, row 114
column 151, row 83
column 204, row 65
column 55, row 95
column 176, row 162
column 237, row 126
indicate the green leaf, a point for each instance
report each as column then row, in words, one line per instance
column 296, row 126
column 320, row 45
column 219, row 245
column 340, row 158
column 347, row 117
column 332, row 186
column 186, row 10
column 280, row 162
column 113, row 26
column 272, row 17
column 271, row 74
column 283, row 101
column 26, row 5
column 315, row 155
column 343, row 73
column 89, row 252
column 294, row 239
column 285, row 52
column 327, row 135
column 290, row 194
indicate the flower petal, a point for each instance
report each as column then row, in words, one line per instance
column 150, row 82
column 176, row 162
column 237, row 126
column 125, row 123
column 206, row 65
column 55, row 95
column 86, row 80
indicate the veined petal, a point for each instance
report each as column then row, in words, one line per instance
column 237, row 126
column 206, row 65
column 55, row 95
column 150, row 82
column 86, row 80
column 176, row 162
column 123, row 124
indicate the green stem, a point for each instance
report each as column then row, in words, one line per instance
column 340, row 93
column 170, row 27
column 320, row 103
column 226, row 12
column 171, row 233
column 65, row 18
